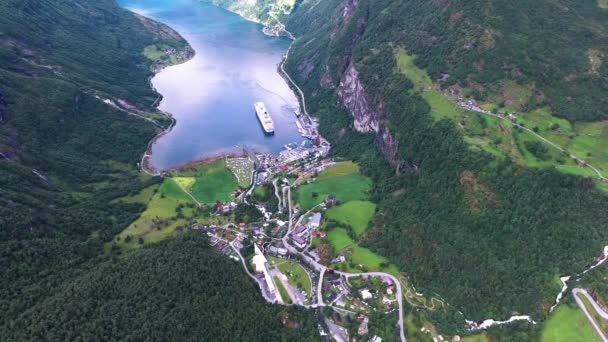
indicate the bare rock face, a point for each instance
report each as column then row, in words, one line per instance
column 353, row 96
column 326, row 80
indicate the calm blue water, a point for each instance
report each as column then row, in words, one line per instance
column 212, row 96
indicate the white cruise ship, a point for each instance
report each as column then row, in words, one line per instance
column 264, row 117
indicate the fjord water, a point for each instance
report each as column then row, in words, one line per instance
column 212, row 96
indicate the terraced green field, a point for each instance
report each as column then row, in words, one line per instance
column 357, row 214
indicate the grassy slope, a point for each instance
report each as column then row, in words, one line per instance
column 160, row 207
column 341, row 180
column 358, row 255
column 208, row 183
column 585, row 140
column 357, row 214
column 568, row 324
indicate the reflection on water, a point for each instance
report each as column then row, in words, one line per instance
column 212, row 96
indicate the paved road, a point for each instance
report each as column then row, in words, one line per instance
column 399, row 294
column 276, row 193
column 339, row 333
column 596, row 307
column 321, row 269
column 268, row 299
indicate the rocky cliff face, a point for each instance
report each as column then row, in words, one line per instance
column 353, row 96
column 368, row 118
column 351, row 91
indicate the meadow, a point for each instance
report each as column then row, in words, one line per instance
column 568, row 324
column 356, row 214
column 208, row 183
column 158, row 220
column 357, row 255
column 341, row 180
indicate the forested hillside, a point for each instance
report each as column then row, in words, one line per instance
column 65, row 156
column 181, row 290
column 527, row 54
column 485, row 233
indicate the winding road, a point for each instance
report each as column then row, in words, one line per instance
column 600, row 311
column 322, row 268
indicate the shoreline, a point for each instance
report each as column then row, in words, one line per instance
column 157, row 68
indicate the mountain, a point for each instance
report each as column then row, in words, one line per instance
column 465, row 217
column 76, row 114
column 526, row 54
column 473, row 207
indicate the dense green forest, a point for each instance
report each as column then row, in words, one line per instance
column 181, row 290
column 65, row 159
column 486, row 234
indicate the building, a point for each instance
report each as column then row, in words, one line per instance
column 261, row 266
column 365, row 294
column 277, row 251
column 314, row 221
column 331, row 200
column 299, row 242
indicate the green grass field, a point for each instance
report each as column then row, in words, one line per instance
column 214, row 187
column 161, row 207
column 358, row 255
column 603, row 323
column 357, row 214
column 568, row 324
column 143, row 197
column 475, row 338
column 208, row 183
column 340, row 169
column 346, row 188
column 282, row 291
column 296, row 275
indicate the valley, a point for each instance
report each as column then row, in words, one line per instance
column 445, row 180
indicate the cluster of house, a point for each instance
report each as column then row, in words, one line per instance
column 302, row 233
column 224, row 208
column 438, row 338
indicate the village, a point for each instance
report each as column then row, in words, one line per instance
column 278, row 252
